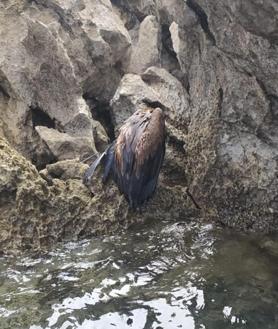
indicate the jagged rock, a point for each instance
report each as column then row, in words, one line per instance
column 35, row 213
column 95, row 39
column 176, row 41
column 63, row 146
column 232, row 143
column 146, row 52
column 174, row 11
column 48, row 63
column 134, row 11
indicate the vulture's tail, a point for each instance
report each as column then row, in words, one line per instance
column 106, row 159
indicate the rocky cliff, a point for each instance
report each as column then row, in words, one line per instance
column 72, row 71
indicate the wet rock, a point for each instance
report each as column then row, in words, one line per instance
column 37, row 212
column 211, row 66
column 270, row 246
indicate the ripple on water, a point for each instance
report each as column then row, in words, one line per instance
column 182, row 275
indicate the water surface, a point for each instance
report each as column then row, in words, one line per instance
column 160, row 275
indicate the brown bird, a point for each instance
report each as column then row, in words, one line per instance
column 135, row 158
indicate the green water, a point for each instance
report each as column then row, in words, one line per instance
column 161, row 275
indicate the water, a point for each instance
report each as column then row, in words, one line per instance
column 161, row 275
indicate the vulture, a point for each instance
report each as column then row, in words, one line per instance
column 135, row 158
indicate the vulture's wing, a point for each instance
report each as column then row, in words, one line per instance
column 139, row 153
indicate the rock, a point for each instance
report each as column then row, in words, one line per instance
column 146, row 52
column 171, row 93
column 174, row 11
column 156, row 86
column 35, row 213
column 63, row 146
column 176, row 41
column 270, row 246
column 48, row 63
column 135, row 11
column 231, row 144
column 130, row 95
column 66, row 169
column 212, row 68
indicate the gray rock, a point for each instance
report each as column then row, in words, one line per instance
column 63, row 146
column 146, row 52
column 232, row 142
column 171, row 93
column 174, row 11
column 130, row 95
column 52, row 53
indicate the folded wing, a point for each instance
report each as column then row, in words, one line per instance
column 138, row 155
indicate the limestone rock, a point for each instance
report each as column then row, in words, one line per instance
column 171, row 93
column 35, row 213
column 130, row 95
column 66, row 169
column 146, row 52
column 174, row 11
column 63, row 146
column 48, row 63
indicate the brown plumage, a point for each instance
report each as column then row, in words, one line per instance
column 135, row 158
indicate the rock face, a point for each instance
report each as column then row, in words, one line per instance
column 232, row 140
column 52, row 53
column 72, row 71
column 39, row 210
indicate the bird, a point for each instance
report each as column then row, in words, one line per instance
column 135, row 157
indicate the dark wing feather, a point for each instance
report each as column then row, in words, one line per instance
column 139, row 153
